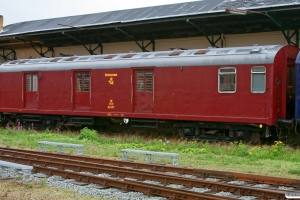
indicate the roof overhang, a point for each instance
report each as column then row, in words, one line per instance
column 173, row 26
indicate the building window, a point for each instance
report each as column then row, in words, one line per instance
column 258, row 79
column 144, row 81
column 31, row 83
column 227, row 80
column 82, row 81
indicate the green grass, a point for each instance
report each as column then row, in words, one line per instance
column 274, row 160
column 294, row 171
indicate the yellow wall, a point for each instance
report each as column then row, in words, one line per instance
column 268, row 38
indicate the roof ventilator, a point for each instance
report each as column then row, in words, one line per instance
column 14, row 62
column 98, row 57
column 55, row 60
column 110, row 56
column 130, row 55
column 23, row 61
column 201, row 51
column 71, row 58
column 256, row 50
column 83, row 58
column 176, row 53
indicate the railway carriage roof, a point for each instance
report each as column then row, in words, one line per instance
column 196, row 57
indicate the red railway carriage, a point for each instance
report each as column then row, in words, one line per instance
column 220, row 93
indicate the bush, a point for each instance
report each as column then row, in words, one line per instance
column 88, row 134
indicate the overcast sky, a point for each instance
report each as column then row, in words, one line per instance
column 15, row 11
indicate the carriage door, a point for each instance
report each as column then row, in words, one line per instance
column 143, row 91
column 82, row 90
column 31, row 91
column 290, row 90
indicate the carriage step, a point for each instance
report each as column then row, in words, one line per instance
column 211, row 132
column 31, row 118
column 82, row 120
column 144, row 123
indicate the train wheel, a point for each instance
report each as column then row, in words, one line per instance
column 202, row 131
column 181, row 133
column 58, row 125
column 254, row 138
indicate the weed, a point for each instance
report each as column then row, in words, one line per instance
column 43, row 182
column 8, row 131
column 28, row 185
column 47, row 131
column 88, row 134
column 277, row 148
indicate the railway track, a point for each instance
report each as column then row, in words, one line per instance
column 129, row 176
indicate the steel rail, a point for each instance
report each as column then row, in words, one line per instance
column 127, row 185
column 203, row 173
column 250, row 178
column 152, row 167
column 141, row 176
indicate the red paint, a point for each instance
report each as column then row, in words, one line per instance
column 190, row 93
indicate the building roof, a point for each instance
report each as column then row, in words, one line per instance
column 141, row 14
column 157, row 22
column 114, row 17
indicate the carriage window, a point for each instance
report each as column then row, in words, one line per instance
column 144, row 80
column 140, row 81
column 227, row 80
column 258, row 79
column 31, row 83
column 149, row 81
column 28, row 82
column 82, row 81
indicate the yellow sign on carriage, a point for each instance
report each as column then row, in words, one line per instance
column 111, row 79
column 111, row 104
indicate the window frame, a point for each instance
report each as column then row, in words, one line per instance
column 228, row 73
column 265, row 79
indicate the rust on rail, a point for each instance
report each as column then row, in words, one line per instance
column 150, row 190
column 203, row 173
column 63, row 164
